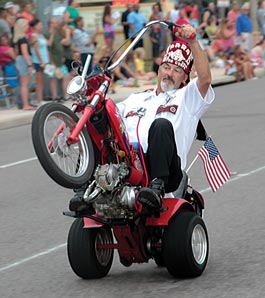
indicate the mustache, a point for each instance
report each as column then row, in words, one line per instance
column 169, row 79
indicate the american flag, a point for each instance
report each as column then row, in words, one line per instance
column 216, row 171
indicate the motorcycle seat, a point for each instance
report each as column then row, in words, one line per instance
column 181, row 190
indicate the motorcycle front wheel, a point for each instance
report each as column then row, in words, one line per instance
column 69, row 165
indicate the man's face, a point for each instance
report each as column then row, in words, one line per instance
column 246, row 11
column 170, row 77
column 136, row 7
column 235, row 7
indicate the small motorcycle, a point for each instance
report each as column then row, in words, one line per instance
column 87, row 147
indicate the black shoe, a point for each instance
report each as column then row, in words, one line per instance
column 151, row 197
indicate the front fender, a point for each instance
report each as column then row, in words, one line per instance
column 171, row 206
column 92, row 223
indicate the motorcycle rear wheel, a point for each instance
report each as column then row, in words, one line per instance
column 186, row 245
column 69, row 165
column 86, row 258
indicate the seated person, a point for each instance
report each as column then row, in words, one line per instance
column 257, row 54
column 139, row 56
column 243, row 63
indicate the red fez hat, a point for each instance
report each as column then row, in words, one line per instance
column 179, row 53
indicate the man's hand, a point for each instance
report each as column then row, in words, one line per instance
column 186, row 32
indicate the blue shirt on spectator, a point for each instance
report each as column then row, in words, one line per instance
column 137, row 19
column 243, row 24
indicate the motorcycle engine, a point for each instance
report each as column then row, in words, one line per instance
column 112, row 197
column 108, row 176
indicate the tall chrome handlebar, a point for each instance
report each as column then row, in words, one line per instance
column 135, row 41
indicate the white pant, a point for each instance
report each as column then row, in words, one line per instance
column 247, row 43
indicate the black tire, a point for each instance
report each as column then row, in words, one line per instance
column 186, row 245
column 86, row 260
column 71, row 166
column 159, row 260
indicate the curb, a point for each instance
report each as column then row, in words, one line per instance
column 13, row 117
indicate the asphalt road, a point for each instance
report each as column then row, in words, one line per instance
column 33, row 260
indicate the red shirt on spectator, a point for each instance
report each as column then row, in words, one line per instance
column 3, row 57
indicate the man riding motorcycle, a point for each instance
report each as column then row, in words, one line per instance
column 168, row 117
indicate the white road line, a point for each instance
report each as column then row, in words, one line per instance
column 60, row 246
column 48, row 251
column 17, row 163
column 236, row 177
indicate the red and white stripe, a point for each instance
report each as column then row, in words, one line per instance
column 217, row 172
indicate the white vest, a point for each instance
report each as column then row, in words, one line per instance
column 183, row 108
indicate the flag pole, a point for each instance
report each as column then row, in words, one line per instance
column 196, row 157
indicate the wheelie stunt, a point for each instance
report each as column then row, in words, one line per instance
column 126, row 164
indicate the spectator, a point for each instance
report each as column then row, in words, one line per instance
column 124, row 21
column 23, row 60
column 7, row 63
column 195, row 11
column 191, row 20
column 70, row 53
column 209, row 12
column 173, row 16
column 204, row 43
column 7, row 52
column 122, row 74
column 230, row 64
column 125, row 74
column 105, row 54
column 141, row 74
column 155, row 35
column 189, row 6
column 164, row 30
column 71, row 13
column 225, row 38
column 84, row 42
column 211, row 29
column 27, row 14
column 233, row 13
column 4, row 26
column 108, row 22
column 155, row 13
column 183, row 19
column 261, row 17
column 257, row 54
column 244, row 28
column 244, row 66
column 56, row 35
column 10, row 8
column 158, row 61
column 40, row 55
column 136, row 21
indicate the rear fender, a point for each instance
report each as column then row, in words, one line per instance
column 171, row 206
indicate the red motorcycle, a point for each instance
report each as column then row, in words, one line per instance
column 88, row 147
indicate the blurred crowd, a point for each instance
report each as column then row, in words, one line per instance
column 33, row 59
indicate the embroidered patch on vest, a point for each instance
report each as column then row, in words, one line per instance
column 170, row 109
column 140, row 113
column 131, row 113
